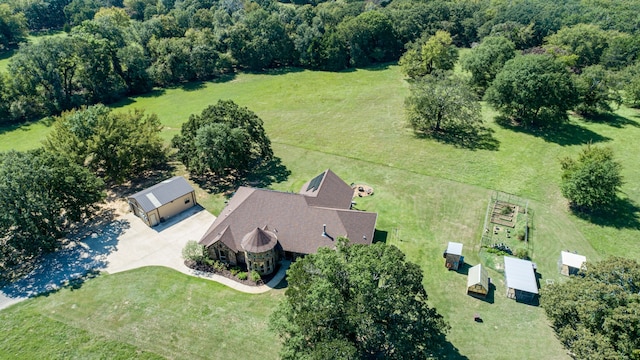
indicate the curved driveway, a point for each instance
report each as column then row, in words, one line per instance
column 123, row 244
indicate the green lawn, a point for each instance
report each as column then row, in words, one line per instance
column 426, row 192
column 148, row 313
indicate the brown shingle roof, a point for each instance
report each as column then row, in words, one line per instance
column 258, row 241
column 328, row 190
column 297, row 224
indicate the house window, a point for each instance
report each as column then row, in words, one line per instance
column 186, row 201
column 222, row 255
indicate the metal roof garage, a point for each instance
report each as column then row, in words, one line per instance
column 163, row 200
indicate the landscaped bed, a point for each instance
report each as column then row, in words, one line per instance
column 233, row 273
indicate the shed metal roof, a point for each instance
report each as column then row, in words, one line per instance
column 162, row 193
column 519, row 275
column 478, row 276
column 454, row 248
column 572, row 260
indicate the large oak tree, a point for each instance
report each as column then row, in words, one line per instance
column 534, row 89
column 222, row 138
column 357, row 302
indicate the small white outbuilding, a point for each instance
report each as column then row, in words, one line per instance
column 571, row 263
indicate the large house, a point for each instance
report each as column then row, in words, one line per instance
column 258, row 227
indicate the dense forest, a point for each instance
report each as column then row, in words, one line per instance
column 118, row 48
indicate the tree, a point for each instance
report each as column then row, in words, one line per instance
column 437, row 53
column 357, row 302
column 532, row 88
column 117, row 145
column 591, row 181
column 596, row 91
column 596, row 315
column 370, row 38
column 41, row 195
column 487, row 59
column 584, row 44
column 441, row 103
column 260, row 41
column 13, row 28
column 223, row 137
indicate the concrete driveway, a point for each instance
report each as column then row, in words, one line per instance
column 123, row 244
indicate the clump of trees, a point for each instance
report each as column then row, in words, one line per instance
column 117, row 48
column 223, row 138
column 596, row 315
column 533, row 89
column 357, row 302
column 41, row 195
column 486, row 60
column 114, row 145
column 591, row 181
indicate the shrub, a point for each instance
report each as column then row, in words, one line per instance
column 242, row 275
column 235, row 270
column 521, row 234
column 193, row 251
column 522, row 254
column 219, row 265
column 255, row 276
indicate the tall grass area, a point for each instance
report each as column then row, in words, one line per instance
column 426, row 193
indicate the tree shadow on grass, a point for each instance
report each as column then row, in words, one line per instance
column 263, row 175
column 611, row 119
column 449, row 352
column 466, row 137
column 621, row 214
column 157, row 92
column 563, row 134
column 270, row 172
column 81, row 258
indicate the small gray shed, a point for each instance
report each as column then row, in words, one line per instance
column 453, row 256
column 163, row 200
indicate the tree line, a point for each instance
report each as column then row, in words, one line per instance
column 115, row 49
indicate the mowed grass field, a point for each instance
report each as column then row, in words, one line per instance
column 426, row 194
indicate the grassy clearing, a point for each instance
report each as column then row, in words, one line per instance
column 426, row 192
column 33, row 39
column 148, row 313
